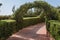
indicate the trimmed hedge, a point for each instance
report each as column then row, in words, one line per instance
column 54, row 28
column 6, row 29
column 31, row 21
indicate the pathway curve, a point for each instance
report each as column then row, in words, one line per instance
column 33, row 32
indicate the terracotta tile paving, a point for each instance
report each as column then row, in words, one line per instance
column 33, row 32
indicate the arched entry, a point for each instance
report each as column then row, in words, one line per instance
column 48, row 10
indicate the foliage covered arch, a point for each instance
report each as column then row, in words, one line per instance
column 48, row 10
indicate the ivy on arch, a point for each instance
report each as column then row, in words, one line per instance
column 48, row 9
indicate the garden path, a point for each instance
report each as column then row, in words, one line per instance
column 33, row 32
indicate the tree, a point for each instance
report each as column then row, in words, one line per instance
column 0, row 4
column 13, row 9
column 58, row 7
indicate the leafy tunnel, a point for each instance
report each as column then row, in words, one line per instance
column 49, row 11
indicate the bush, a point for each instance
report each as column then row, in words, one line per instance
column 54, row 29
column 4, row 17
column 6, row 29
column 31, row 21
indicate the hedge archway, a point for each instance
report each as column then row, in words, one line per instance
column 48, row 9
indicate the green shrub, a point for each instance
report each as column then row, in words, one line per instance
column 6, row 29
column 54, row 29
column 31, row 21
column 28, row 21
column 4, row 17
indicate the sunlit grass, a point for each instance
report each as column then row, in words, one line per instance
column 8, row 20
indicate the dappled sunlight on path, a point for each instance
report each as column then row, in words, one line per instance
column 42, row 30
column 33, row 32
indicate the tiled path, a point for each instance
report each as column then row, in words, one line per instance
column 34, row 32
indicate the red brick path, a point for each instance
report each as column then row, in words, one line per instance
column 34, row 32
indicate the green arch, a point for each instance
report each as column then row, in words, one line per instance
column 48, row 9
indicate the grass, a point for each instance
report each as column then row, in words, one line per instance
column 8, row 20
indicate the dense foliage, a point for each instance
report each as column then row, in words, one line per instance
column 49, row 13
column 54, row 28
column 4, row 17
column 6, row 29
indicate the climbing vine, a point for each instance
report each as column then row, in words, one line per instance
column 48, row 10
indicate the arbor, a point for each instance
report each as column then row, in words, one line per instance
column 13, row 9
column 49, row 10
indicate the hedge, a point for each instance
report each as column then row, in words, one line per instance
column 54, row 28
column 4, row 17
column 31, row 21
column 8, row 27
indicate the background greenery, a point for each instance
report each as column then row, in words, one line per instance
column 22, row 17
